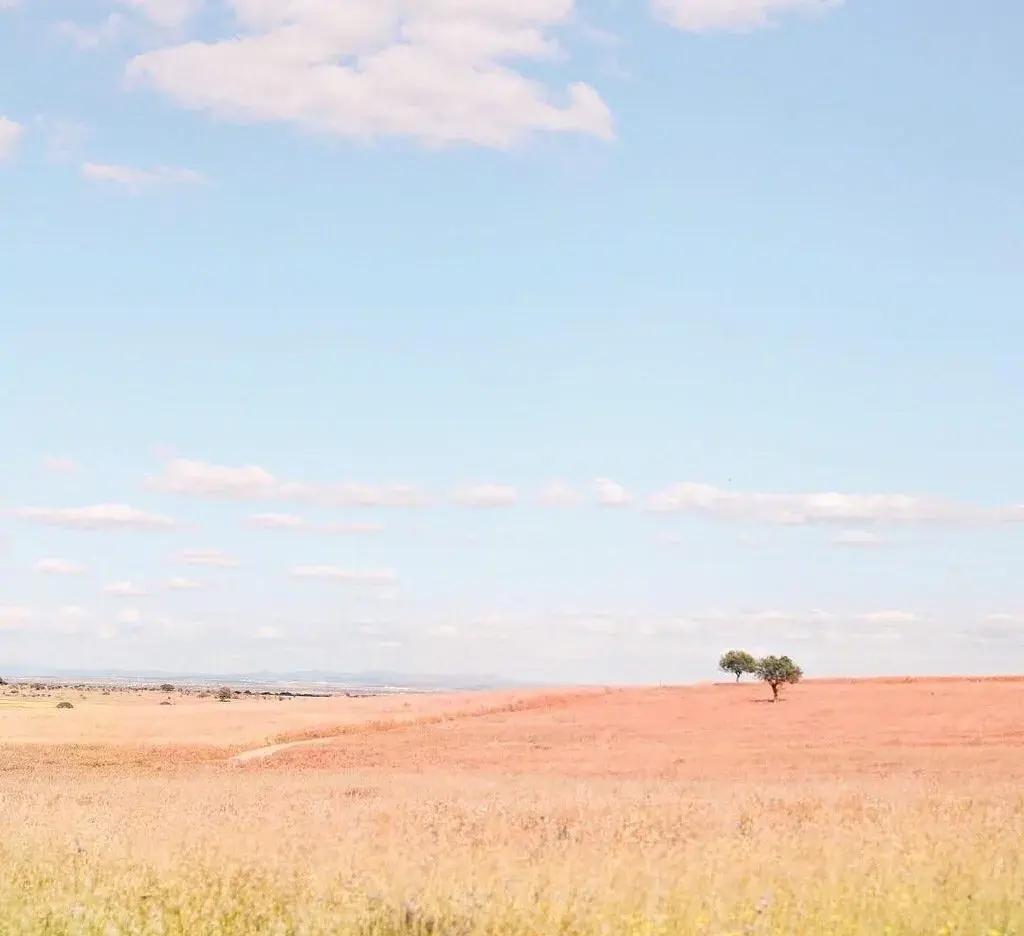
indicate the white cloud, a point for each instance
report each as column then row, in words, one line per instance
column 486, row 495
column 167, row 14
column 558, row 494
column 250, row 482
column 828, row 507
column 99, row 517
column 268, row 633
column 60, row 464
column 184, row 584
column 88, row 38
column 129, row 616
column 335, row 574
column 351, row 528
column 1002, row 617
column 14, row 617
column 70, row 619
column 610, row 493
column 59, row 567
column 10, row 136
column 208, row 557
column 284, row 521
column 74, row 613
column 136, row 180
column 858, row 539
column 736, row 15
column 277, row 521
column 125, row 590
column 890, row 617
column 433, row 70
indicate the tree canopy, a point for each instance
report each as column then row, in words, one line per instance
column 737, row 662
column 777, row 671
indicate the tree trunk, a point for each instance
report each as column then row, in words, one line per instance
column 738, row 676
column 775, row 693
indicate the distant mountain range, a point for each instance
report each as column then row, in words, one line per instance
column 376, row 680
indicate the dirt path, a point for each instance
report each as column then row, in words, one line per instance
column 544, row 702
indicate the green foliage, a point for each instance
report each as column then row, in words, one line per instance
column 737, row 662
column 777, row 671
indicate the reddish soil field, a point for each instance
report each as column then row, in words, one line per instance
column 919, row 727
column 829, row 729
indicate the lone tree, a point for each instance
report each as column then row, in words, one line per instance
column 737, row 662
column 777, row 672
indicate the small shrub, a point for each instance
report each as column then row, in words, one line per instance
column 64, row 705
column 167, row 687
column 225, row 695
column 166, row 702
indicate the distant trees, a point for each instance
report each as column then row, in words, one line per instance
column 778, row 671
column 737, row 662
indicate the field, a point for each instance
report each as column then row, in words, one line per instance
column 851, row 807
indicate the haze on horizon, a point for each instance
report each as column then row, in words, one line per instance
column 567, row 340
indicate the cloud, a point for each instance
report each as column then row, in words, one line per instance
column 892, row 617
column 433, row 70
column 858, row 539
column 610, row 493
column 1003, row 617
column 14, row 617
column 250, row 482
column 135, row 180
column 74, row 612
column 268, row 633
column 167, row 14
column 70, row 619
column 88, row 38
column 129, row 616
column 10, row 136
column 208, row 557
column 277, row 521
column 335, row 574
column 59, row 567
column 558, row 494
column 486, row 495
column 60, row 464
column 829, row 507
column 184, row 584
column 283, row 521
column 350, row 528
column 733, row 15
column 99, row 517
column 125, row 590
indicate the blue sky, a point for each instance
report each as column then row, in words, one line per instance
column 561, row 340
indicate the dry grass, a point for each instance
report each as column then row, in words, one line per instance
column 110, row 840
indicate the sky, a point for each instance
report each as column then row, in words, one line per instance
column 561, row 340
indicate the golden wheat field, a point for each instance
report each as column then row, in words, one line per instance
column 886, row 806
